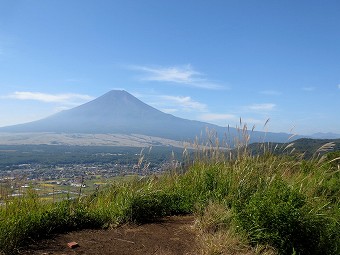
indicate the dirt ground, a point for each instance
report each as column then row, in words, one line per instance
column 170, row 236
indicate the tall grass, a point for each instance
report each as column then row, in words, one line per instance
column 262, row 204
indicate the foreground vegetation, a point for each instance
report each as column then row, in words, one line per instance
column 266, row 204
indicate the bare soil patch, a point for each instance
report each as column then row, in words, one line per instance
column 169, row 236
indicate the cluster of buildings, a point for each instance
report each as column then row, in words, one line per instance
column 17, row 178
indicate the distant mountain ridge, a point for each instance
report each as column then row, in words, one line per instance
column 325, row 136
column 306, row 146
column 119, row 112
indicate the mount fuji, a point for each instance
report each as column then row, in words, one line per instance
column 118, row 112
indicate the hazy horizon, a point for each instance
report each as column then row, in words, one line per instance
column 214, row 62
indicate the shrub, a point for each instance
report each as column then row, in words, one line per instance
column 280, row 216
column 147, row 207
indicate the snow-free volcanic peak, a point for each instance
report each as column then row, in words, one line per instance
column 119, row 112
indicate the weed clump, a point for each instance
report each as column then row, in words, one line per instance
column 263, row 203
column 281, row 217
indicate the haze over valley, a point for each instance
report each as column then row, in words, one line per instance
column 118, row 118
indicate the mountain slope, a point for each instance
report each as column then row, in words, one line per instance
column 325, row 136
column 306, row 146
column 120, row 112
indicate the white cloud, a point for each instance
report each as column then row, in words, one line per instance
column 253, row 121
column 217, row 116
column 261, row 107
column 177, row 74
column 186, row 103
column 68, row 98
column 61, row 108
column 308, row 89
column 270, row 92
column 224, row 119
column 181, row 106
column 169, row 110
column 338, row 86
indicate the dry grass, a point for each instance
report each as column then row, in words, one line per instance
column 243, row 203
column 217, row 234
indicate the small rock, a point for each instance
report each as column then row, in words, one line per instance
column 72, row 245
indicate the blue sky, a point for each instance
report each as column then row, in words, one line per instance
column 213, row 61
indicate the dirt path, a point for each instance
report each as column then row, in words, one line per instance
column 172, row 235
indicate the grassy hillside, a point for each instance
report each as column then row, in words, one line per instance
column 309, row 146
column 306, row 147
column 268, row 204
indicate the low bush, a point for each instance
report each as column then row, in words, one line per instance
column 282, row 217
column 277, row 202
column 149, row 207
